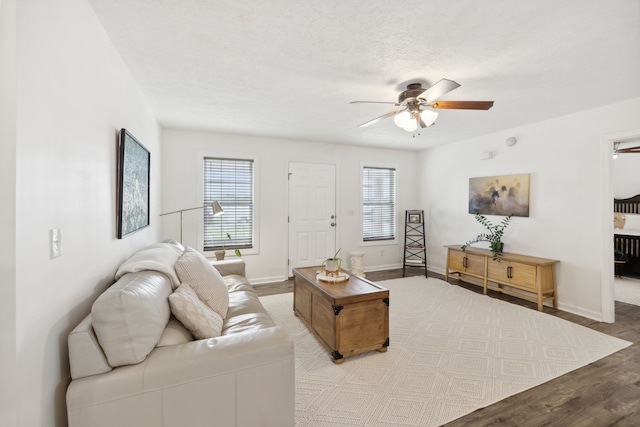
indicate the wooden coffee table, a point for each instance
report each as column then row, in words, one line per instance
column 348, row 317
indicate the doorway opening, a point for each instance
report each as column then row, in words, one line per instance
column 608, row 269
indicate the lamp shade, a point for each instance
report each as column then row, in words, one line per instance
column 411, row 125
column 402, row 119
column 217, row 209
column 428, row 117
column 405, row 121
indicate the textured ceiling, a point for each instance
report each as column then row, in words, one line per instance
column 288, row 69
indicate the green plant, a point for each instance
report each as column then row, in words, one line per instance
column 494, row 235
column 236, row 250
column 334, row 259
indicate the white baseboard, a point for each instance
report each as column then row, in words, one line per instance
column 569, row 308
column 382, row 267
column 437, row 270
column 594, row 315
column 261, row 281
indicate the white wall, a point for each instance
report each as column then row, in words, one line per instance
column 563, row 156
column 181, row 189
column 73, row 94
column 8, row 414
column 626, row 175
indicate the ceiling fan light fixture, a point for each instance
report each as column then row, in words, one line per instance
column 405, row 121
column 428, row 117
column 411, row 125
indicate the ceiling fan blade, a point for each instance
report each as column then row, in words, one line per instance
column 377, row 119
column 438, row 89
column 373, row 102
column 628, row 150
column 462, row 105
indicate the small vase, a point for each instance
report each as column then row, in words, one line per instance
column 219, row 255
column 331, row 267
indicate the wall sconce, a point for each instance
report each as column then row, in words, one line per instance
column 215, row 206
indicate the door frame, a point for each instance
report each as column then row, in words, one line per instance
column 607, row 278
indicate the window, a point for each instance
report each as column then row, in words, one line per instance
column 230, row 182
column 378, row 204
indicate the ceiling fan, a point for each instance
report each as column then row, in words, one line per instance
column 420, row 105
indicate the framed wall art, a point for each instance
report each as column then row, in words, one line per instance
column 500, row 195
column 415, row 217
column 134, row 164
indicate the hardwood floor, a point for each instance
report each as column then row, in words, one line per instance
column 604, row 393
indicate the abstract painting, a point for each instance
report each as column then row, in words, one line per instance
column 499, row 195
column 134, row 163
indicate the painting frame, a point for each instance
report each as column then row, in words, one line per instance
column 500, row 195
column 415, row 218
column 133, row 188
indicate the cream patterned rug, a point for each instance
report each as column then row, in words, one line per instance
column 451, row 352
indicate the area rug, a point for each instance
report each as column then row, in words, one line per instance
column 451, row 352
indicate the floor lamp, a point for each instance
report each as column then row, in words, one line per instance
column 215, row 206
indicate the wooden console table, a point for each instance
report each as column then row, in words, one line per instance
column 522, row 276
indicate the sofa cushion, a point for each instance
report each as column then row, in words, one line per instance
column 194, row 269
column 194, row 314
column 130, row 316
column 244, row 302
column 247, row 322
column 175, row 333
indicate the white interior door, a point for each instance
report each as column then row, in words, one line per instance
column 312, row 214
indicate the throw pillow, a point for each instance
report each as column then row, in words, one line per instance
column 194, row 314
column 194, row 269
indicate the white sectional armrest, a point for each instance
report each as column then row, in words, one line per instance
column 85, row 354
column 231, row 266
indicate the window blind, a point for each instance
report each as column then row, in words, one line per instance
column 230, row 182
column 378, row 204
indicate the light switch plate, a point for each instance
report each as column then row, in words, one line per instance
column 56, row 242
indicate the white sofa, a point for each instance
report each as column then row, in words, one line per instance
column 134, row 364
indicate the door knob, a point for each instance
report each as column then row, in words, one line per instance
column 333, row 224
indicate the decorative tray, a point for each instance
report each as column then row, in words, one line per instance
column 341, row 277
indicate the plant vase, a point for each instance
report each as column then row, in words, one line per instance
column 496, row 247
column 219, row 255
column 331, row 266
